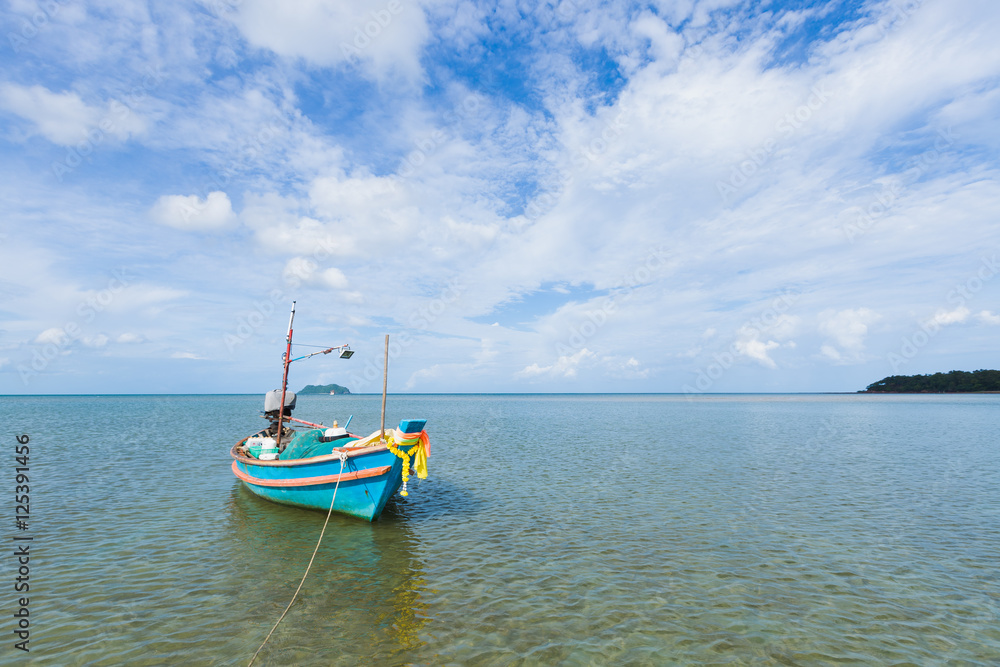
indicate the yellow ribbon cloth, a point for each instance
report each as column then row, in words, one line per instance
column 418, row 454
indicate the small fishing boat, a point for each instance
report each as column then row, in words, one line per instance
column 309, row 465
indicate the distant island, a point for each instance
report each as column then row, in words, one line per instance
column 325, row 389
column 955, row 382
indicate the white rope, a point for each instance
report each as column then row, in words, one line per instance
column 343, row 460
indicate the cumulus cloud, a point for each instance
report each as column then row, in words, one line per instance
column 299, row 270
column 305, row 271
column 565, row 366
column 757, row 350
column 99, row 340
column 557, row 178
column 59, row 338
column 334, row 278
column 751, row 342
column 65, row 119
column 62, row 118
column 130, row 338
column 946, row 317
column 665, row 44
column 830, row 352
column 192, row 213
column 848, row 329
column 385, row 37
column 278, row 225
column 53, row 336
column 986, row 317
column 629, row 368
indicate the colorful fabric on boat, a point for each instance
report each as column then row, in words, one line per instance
column 418, row 455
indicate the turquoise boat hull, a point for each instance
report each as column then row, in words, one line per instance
column 368, row 479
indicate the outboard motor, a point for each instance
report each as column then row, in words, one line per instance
column 272, row 401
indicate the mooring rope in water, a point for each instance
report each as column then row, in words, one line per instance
column 343, row 460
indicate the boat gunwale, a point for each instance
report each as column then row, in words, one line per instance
column 335, row 456
column 297, row 482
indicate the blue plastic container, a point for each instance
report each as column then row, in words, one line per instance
column 412, row 425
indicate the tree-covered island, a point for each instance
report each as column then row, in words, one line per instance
column 954, row 382
column 324, row 389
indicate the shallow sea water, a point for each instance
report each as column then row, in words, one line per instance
column 553, row 530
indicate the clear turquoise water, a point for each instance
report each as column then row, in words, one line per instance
column 736, row 530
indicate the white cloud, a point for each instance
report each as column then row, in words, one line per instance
column 757, row 350
column 279, row 226
column 62, row 118
column 565, row 366
column 386, row 37
column 53, row 336
column 629, row 368
column 430, row 373
column 65, row 119
column 299, row 270
column 773, row 327
column 334, row 278
column 97, row 341
column 185, row 355
column 986, row 317
column 569, row 184
column 192, row 213
column 848, row 328
column 666, row 45
column 305, row 271
column 59, row 337
column 784, row 326
column 128, row 338
column 946, row 317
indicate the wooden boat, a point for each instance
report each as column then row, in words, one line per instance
column 367, row 479
column 317, row 466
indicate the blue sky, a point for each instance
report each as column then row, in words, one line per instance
column 679, row 196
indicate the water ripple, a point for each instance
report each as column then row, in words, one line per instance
column 553, row 530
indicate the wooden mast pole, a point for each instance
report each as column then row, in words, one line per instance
column 284, row 378
column 385, row 382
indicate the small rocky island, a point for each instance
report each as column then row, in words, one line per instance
column 954, row 382
column 324, row 389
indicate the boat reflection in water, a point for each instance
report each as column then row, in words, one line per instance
column 362, row 600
